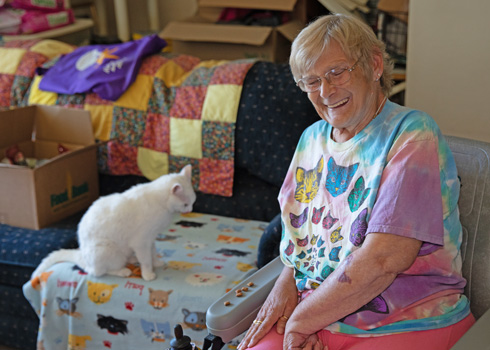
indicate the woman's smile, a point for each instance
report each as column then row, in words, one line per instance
column 338, row 104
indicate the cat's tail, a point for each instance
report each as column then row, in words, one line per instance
column 71, row 255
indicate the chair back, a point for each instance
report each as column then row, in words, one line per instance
column 473, row 163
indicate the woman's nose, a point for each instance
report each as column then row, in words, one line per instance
column 326, row 89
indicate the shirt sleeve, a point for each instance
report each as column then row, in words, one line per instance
column 409, row 199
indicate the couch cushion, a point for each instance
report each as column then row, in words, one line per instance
column 21, row 249
column 272, row 115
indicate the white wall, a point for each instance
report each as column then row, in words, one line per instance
column 448, row 64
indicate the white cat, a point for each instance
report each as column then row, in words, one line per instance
column 121, row 227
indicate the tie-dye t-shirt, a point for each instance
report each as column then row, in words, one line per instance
column 396, row 176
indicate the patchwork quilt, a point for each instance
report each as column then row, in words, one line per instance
column 204, row 255
column 179, row 110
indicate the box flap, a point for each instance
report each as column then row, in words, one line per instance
column 394, row 6
column 16, row 125
column 291, row 29
column 278, row 5
column 208, row 32
column 60, row 124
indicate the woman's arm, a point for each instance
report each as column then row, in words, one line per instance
column 364, row 274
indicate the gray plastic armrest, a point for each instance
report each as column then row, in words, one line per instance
column 477, row 337
column 227, row 322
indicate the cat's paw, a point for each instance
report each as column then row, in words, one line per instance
column 148, row 276
column 158, row 263
column 125, row 272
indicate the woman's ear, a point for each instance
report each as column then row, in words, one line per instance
column 378, row 65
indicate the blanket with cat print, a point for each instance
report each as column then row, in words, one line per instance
column 204, row 256
column 178, row 110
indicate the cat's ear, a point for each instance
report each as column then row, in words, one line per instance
column 300, row 174
column 176, row 188
column 187, row 171
column 320, row 165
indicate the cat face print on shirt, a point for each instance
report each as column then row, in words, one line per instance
column 308, row 182
column 339, row 177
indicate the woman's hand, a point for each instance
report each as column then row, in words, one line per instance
column 277, row 308
column 297, row 341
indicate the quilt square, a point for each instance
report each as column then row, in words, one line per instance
column 10, row 59
column 71, row 101
column 186, row 62
column 151, row 64
column 157, row 133
column 218, row 140
column 30, row 61
column 20, row 87
column 93, row 99
column 128, row 125
column 138, row 93
column 122, row 159
column 171, row 73
column 177, row 163
column 162, row 98
column 221, row 103
column 101, row 116
column 152, row 164
column 51, row 48
column 199, row 76
column 186, row 138
column 102, row 158
column 6, row 82
column 188, row 102
column 214, row 176
column 233, row 73
column 24, row 44
column 38, row 96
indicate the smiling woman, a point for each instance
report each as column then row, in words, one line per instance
column 383, row 269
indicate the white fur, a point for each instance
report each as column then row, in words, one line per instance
column 120, row 227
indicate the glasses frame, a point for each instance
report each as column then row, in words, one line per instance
column 325, row 76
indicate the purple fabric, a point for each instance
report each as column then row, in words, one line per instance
column 107, row 70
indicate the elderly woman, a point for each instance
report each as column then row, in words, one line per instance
column 371, row 232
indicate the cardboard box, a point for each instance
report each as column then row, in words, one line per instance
column 200, row 36
column 65, row 184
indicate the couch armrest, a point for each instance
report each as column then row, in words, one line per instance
column 478, row 336
column 229, row 321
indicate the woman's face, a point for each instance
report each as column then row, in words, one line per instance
column 348, row 105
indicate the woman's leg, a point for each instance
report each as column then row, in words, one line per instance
column 434, row 339
column 272, row 341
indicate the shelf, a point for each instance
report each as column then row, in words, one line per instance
column 74, row 33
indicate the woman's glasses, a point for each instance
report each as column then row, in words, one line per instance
column 335, row 77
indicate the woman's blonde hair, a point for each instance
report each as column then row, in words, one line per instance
column 356, row 39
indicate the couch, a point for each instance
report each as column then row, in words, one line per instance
column 271, row 113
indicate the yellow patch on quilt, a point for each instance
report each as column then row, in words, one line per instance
column 171, row 73
column 186, row 137
column 191, row 215
column 211, row 63
column 221, row 103
column 101, row 120
column 38, row 96
column 51, row 48
column 138, row 94
column 10, row 59
column 152, row 164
